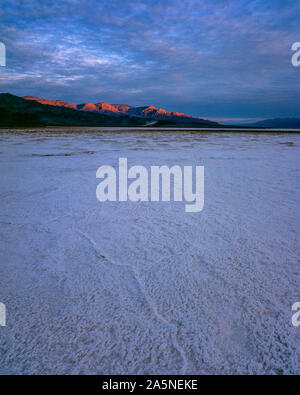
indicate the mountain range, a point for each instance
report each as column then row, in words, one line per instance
column 278, row 123
column 146, row 112
column 35, row 111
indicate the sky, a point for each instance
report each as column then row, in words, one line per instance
column 217, row 59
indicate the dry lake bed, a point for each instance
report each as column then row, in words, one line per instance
column 146, row 288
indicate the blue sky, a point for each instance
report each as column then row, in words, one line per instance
column 209, row 58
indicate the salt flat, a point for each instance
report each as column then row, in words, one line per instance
column 141, row 288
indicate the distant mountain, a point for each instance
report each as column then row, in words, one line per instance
column 122, row 108
column 33, row 111
column 279, row 123
column 146, row 112
column 16, row 111
column 57, row 103
column 160, row 114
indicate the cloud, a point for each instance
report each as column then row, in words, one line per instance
column 210, row 58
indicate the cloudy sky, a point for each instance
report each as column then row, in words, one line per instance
column 211, row 58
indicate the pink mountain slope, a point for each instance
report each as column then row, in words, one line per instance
column 59, row 103
column 120, row 109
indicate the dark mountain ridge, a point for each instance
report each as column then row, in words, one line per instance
column 150, row 112
column 16, row 111
column 32, row 111
column 279, row 123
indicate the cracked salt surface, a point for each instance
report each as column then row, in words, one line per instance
column 139, row 288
